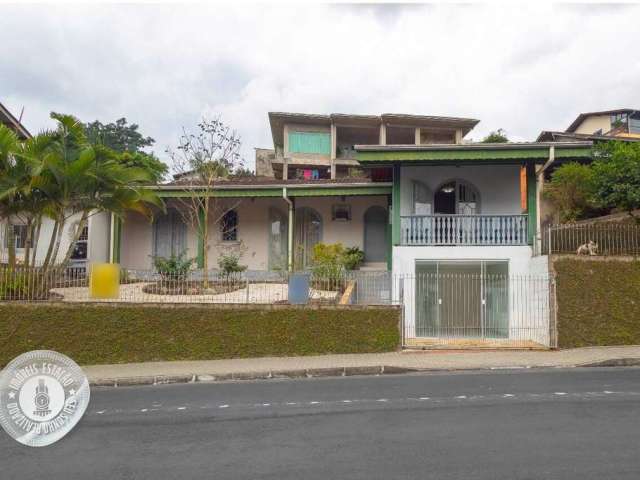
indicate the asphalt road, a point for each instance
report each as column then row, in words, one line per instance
column 522, row 424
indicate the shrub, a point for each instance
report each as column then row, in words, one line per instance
column 328, row 260
column 353, row 258
column 176, row 267
column 616, row 174
column 571, row 191
column 229, row 264
column 100, row 333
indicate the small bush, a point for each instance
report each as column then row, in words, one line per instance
column 230, row 264
column 327, row 260
column 176, row 267
column 353, row 258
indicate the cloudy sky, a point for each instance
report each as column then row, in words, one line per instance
column 520, row 68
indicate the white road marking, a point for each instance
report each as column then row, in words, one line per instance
column 508, row 395
column 182, row 408
column 346, row 401
column 560, row 393
column 314, row 403
column 461, row 397
column 223, row 406
column 382, row 400
column 144, row 410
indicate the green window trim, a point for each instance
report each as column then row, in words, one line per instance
column 310, row 142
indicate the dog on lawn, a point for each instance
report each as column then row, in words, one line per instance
column 590, row 248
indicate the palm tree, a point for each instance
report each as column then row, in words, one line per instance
column 59, row 174
column 84, row 179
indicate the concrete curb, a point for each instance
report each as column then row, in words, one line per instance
column 614, row 362
column 330, row 372
column 257, row 375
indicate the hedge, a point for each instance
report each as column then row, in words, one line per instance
column 102, row 333
column 598, row 302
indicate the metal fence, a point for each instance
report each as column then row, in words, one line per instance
column 591, row 239
column 459, row 310
column 469, row 310
column 147, row 286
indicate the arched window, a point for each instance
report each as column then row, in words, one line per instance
column 229, row 226
column 457, row 197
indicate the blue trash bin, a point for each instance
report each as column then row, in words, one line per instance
column 299, row 288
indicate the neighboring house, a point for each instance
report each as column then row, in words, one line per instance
column 611, row 125
column 92, row 244
column 621, row 124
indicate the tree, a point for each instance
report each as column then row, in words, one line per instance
column 200, row 161
column 125, row 139
column 496, row 136
column 571, row 190
column 616, row 173
column 60, row 174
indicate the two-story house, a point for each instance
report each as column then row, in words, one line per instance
column 622, row 124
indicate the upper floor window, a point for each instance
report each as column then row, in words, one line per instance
column 618, row 120
column 310, row 142
column 229, row 226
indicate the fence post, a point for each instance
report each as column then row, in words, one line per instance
column 553, row 312
column 549, row 242
column 247, row 296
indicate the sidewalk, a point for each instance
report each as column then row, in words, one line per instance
column 354, row 364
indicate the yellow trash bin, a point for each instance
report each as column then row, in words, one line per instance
column 104, row 282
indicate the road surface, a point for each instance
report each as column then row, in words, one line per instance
column 517, row 424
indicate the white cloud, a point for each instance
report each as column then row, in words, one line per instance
column 520, row 68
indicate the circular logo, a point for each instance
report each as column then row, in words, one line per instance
column 43, row 395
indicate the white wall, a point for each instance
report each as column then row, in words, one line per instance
column 136, row 242
column 350, row 234
column 99, row 237
column 498, row 185
column 528, row 291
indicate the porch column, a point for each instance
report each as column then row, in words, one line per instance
column 334, row 139
column 290, row 230
column 200, row 231
column 389, row 233
column 531, row 201
column 395, row 205
column 116, row 239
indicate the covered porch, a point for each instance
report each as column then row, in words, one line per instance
column 468, row 194
column 270, row 227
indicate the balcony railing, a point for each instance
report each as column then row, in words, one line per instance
column 463, row 230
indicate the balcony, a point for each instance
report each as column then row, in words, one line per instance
column 463, row 230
